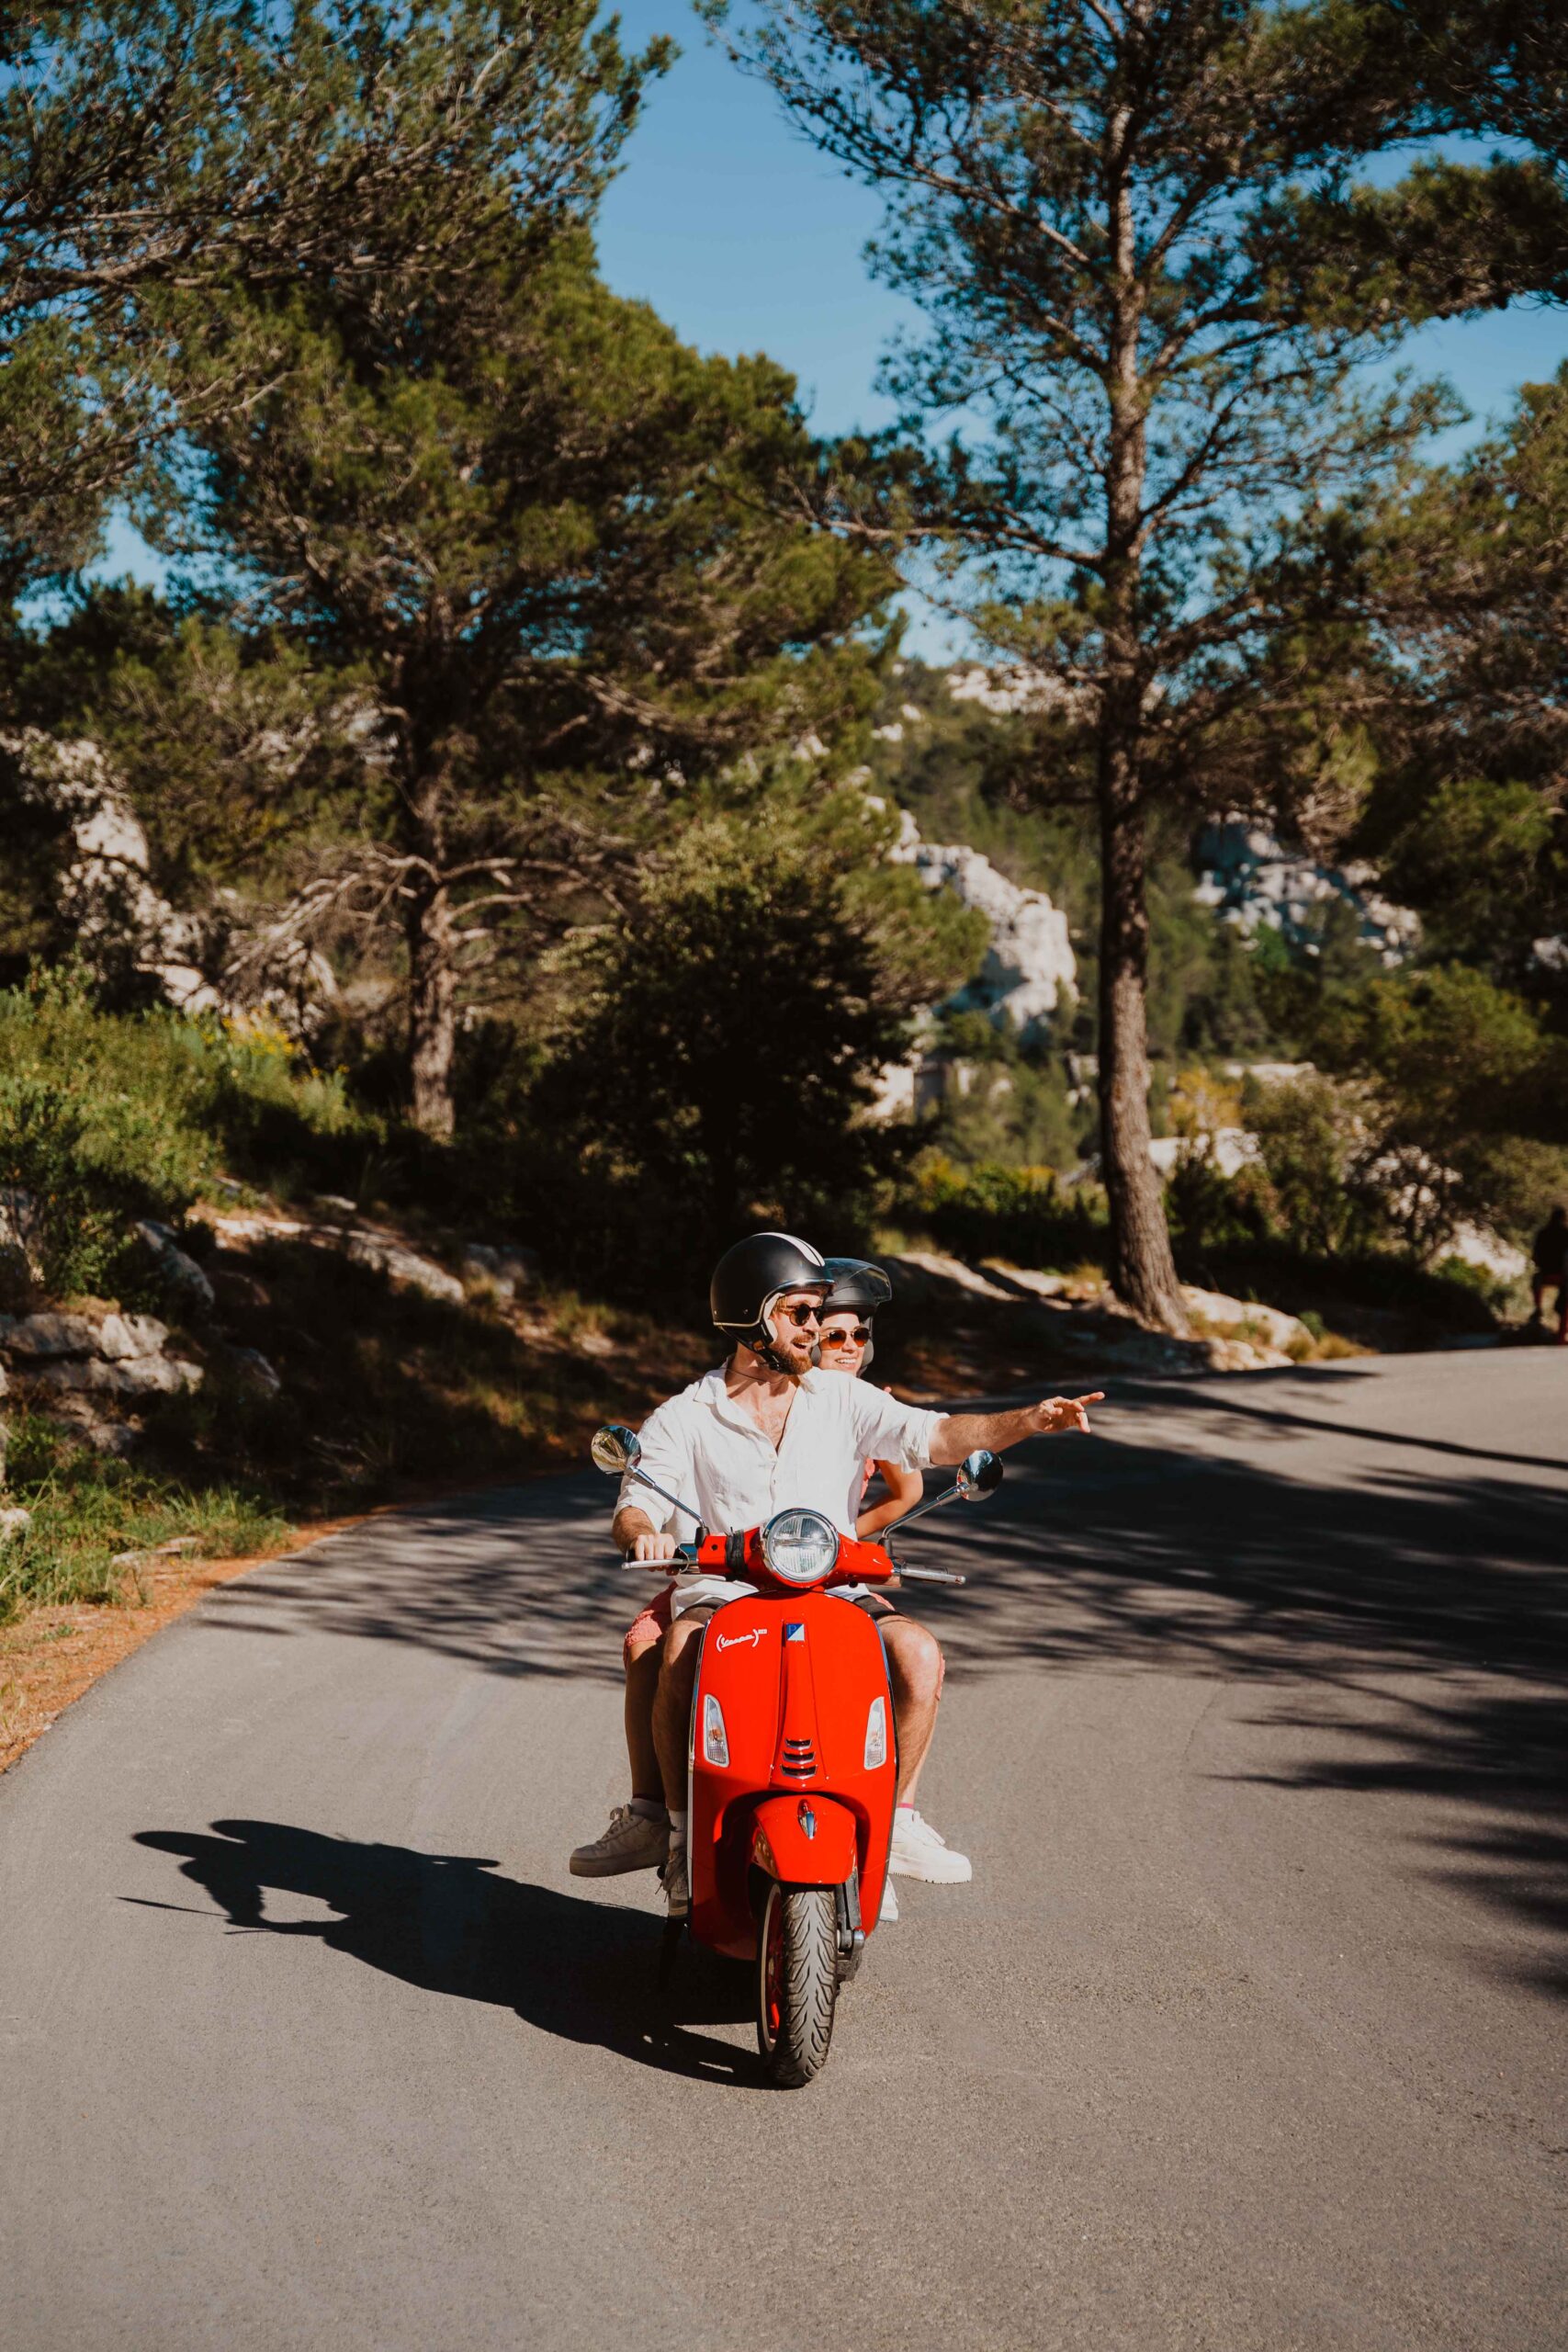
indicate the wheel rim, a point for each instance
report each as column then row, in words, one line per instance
column 771, row 2003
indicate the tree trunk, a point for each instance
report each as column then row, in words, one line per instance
column 433, row 1009
column 1142, row 1271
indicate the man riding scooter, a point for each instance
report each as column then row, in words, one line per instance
column 637, row 1835
column 770, row 1430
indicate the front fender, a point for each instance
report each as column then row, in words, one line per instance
column 781, row 1846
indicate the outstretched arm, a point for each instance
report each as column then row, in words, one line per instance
column 959, row 1434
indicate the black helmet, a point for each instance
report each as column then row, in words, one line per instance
column 859, row 1288
column 748, row 1278
column 857, row 1284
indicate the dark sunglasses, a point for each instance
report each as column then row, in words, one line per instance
column 801, row 1315
column 858, row 1337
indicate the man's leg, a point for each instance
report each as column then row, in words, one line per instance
column 639, row 1836
column 672, row 1733
column 915, row 1671
column 642, row 1688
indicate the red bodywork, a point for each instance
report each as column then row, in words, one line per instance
column 794, row 1675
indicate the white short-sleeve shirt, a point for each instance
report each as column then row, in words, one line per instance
column 701, row 1446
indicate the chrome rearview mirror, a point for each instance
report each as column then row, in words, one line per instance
column 979, row 1474
column 615, row 1449
column 619, row 1451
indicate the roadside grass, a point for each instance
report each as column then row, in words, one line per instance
column 387, row 1394
column 85, row 1510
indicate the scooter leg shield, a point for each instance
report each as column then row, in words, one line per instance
column 804, row 1841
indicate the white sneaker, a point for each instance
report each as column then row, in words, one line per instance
column 673, row 1879
column 889, row 1901
column 921, row 1851
column 632, row 1842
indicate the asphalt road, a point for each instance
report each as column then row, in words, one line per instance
column 1248, row 2034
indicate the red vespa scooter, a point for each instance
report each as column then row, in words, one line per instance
column 793, row 1763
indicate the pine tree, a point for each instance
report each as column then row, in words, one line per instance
column 1117, row 220
column 570, row 567
column 156, row 151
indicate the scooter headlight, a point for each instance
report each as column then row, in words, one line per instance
column 800, row 1547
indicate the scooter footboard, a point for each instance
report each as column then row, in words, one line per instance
column 804, row 1841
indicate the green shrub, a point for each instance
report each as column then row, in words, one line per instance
column 1021, row 1214
column 106, row 1117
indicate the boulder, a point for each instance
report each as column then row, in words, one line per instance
column 1271, row 1328
column 178, row 1270
column 401, row 1265
column 123, row 1338
column 81, row 1418
column 141, row 1376
column 252, row 1369
column 40, row 1338
column 503, row 1265
column 14, row 1522
column 36, row 1337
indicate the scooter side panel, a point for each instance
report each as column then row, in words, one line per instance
column 803, row 1672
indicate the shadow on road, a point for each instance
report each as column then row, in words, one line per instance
column 1415, row 1589
column 569, row 1966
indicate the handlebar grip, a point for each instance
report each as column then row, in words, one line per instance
column 931, row 1576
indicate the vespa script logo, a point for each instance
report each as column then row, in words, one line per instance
column 732, row 1641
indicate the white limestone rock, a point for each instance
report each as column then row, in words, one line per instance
column 1269, row 1329
column 1253, row 881
column 177, row 1267
column 1029, row 965
column 141, row 1376
column 401, row 1265
column 105, row 890
column 35, row 1338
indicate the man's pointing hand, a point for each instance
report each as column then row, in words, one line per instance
column 1058, row 1414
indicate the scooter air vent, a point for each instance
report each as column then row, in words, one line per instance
column 799, row 1759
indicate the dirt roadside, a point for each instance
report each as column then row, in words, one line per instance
column 53, row 1655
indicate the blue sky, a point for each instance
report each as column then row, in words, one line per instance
column 746, row 239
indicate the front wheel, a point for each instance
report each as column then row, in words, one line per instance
column 797, row 1982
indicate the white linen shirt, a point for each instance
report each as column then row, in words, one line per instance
column 702, row 1446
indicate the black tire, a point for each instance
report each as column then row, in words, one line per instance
column 797, row 1982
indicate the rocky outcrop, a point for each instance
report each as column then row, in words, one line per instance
column 92, row 1371
column 106, row 894
column 230, row 960
column 1253, row 881
column 1029, row 967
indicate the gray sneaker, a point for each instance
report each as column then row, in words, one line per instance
column 672, row 1878
column 632, row 1842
